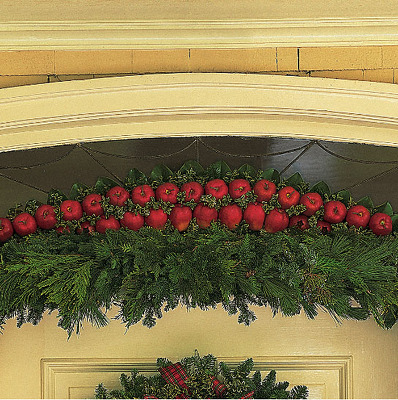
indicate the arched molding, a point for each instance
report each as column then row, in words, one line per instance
column 167, row 105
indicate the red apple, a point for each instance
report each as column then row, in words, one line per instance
column 277, row 220
column 312, row 201
column 180, row 217
column 254, row 215
column 24, row 224
column 107, row 223
column 335, row 211
column 380, row 224
column 167, row 192
column 264, row 190
column 117, row 196
column 193, row 191
column 85, row 227
column 6, row 229
column 301, row 221
column 71, row 209
column 45, row 216
column 204, row 215
column 358, row 216
column 92, row 204
column 288, row 197
column 142, row 195
column 156, row 219
column 217, row 188
column 324, row 226
column 63, row 229
column 230, row 215
column 238, row 188
column 132, row 221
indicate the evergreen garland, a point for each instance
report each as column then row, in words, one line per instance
column 238, row 381
column 349, row 272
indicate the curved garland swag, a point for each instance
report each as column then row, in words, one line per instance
column 198, row 237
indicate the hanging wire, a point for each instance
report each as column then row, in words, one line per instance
column 307, row 147
column 138, row 156
column 87, row 151
column 372, row 178
column 332, row 153
column 25, row 167
column 278, row 153
column 23, row 183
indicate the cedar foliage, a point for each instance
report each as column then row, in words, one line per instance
column 239, row 381
column 149, row 272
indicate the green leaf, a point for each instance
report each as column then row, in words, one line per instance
column 161, row 173
column 218, row 170
column 246, row 171
column 322, row 188
column 394, row 219
column 191, row 165
column 385, row 208
column 103, row 184
column 345, row 197
column 135, row 178
column 271, row 174
column 55, row 197
column 295, row 180
column 366, row 202
column 76, row 191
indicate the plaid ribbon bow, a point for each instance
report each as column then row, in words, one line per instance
column 176, row 375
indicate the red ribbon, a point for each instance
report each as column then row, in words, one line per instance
column 176, row 375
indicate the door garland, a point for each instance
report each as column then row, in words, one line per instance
column 198, row 237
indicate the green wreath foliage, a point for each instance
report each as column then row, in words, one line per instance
column 238, row 380
column 350, row 273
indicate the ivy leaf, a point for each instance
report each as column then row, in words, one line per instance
column 191, row 165
column 103, row 184
column 295, row 180
column 55, row 197
column 14, row 211
column 246, row 171
column 161, row 173
column 135, row 178
column 385, row 208
column 322, row 188
column 31, row 206
column 345, row 197
column 76, row 191
column 271, row 174
column 218, row 170
column 394, row 219
column 366, row 202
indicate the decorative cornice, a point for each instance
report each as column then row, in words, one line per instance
column 195, row 33
column 197, row 105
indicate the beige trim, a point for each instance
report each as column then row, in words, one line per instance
column 196, row 33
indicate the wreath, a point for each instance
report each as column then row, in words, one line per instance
column 202, row 378
column 198, row 237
